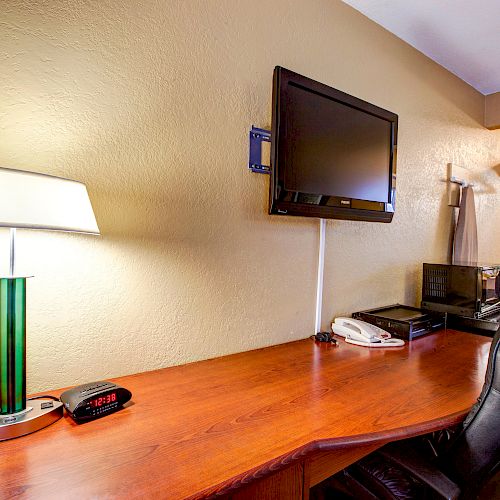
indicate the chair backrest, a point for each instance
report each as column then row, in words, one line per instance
column 474, row 454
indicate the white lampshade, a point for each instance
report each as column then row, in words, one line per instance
column 39, row 201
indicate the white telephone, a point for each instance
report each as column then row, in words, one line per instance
column 359, row 332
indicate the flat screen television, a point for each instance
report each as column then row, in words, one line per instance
column 332, row 155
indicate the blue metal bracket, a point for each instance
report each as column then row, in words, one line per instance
column 257, row 135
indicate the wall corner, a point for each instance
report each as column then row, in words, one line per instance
column 492, row 111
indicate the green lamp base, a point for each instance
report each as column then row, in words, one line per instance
column 12, row 345
column 18, row 416
column 38, row 414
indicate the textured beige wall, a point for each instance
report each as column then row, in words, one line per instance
column 492, row 111
column 150, row 103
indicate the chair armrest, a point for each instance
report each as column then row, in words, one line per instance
column 408, row 457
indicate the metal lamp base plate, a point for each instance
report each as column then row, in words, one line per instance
column 38, row 414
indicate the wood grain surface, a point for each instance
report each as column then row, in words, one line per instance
column 210, row 427
column 323, row 464
column 287, row 484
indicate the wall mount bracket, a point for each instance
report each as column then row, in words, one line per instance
column 257, row 136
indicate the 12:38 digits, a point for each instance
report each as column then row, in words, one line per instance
column 98, row 402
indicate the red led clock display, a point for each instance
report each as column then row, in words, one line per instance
column 98, row 402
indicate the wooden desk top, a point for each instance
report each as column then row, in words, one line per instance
column 205, row 427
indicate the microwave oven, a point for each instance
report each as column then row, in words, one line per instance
column 466, row 290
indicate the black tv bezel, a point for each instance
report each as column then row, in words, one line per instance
column 281, row 79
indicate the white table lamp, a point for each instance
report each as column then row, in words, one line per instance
column 33, row 201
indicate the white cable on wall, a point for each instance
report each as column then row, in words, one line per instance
column 321, row 266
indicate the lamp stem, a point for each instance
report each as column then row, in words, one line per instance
column 12, row 250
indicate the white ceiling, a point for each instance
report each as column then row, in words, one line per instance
column 461, row 35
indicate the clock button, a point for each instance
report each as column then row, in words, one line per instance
column 47, row 404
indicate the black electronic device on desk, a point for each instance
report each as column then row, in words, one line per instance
column 487, row 325
column 470, row 294
column 401, row 321
column 94, row 400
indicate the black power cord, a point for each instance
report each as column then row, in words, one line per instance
column 324, row 337
column 43, row 397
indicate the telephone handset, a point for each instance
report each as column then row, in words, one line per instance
column 361, row 333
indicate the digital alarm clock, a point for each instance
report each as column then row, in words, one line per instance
column 94, row 400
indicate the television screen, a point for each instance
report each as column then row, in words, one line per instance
column 333, row 155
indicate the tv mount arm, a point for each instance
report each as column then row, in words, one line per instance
column 257, row 137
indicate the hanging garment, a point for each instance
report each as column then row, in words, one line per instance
column 465, row 242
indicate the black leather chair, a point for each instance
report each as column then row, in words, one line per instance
column 456, row 467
